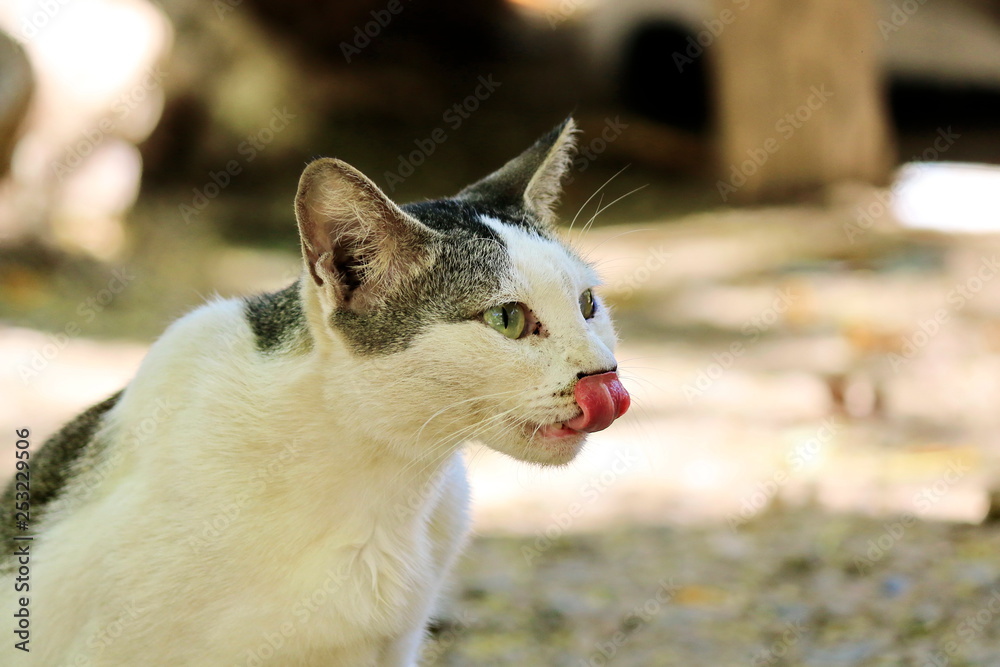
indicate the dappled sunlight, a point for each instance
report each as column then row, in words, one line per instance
column 949, row 197
column 97, row 94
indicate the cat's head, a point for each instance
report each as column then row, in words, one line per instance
column 459, row 318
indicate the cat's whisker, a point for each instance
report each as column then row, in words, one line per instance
column 517, row 422
column 628, row 374
column 626, row 360
column 608, row 205
column 621, row 234
column 479, row 453
column 598, row 210
column 457, row 404
column 596, row 192
column 541, row 394
column 440, row 454
column 631, row 371
column 614, row 262
column 646, row 381
column 453, row 440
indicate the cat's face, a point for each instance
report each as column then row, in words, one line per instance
column 463, row 318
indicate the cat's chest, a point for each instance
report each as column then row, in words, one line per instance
column 367, row 574
column 343, row 590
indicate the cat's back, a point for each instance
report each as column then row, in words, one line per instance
column 49, row 470
column 179, row 361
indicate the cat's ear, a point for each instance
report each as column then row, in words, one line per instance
column 532, row 180
column 358, row 246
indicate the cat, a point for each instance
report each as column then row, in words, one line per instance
column 282, row 482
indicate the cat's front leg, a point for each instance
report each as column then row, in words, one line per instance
column 403, row 651
column 447, row 530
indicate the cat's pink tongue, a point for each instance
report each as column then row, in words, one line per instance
column 602, row 398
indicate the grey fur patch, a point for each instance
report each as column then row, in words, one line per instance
column 470, row 265
column 461, row 216
column 531, row 180
column 52, row 468
column 278, row 321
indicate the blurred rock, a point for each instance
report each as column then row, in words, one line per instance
column 16, row 87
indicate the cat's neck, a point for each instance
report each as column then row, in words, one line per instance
column 334, row 450
column 272, row 415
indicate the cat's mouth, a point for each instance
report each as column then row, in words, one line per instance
column 601, row 398
column 554, row 443
column 557, row 430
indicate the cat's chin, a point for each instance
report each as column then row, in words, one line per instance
column 549, row 445
column 557, row 448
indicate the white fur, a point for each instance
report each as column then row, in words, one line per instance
column 307, row 505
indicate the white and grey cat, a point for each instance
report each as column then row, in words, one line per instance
column 281, row 483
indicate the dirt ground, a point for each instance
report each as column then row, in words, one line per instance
column 792, row 587
column 803, row 480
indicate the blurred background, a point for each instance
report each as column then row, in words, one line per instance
column 795, row 205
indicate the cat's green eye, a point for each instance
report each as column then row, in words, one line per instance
column 587, row 304
column 509, row 319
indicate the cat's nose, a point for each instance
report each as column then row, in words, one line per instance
column 602, row 398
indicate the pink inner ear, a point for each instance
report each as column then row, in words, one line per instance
column 602, row 398
column 343, row 216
